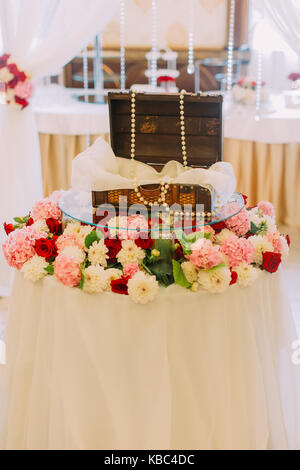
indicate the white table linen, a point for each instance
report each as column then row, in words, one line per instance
column 187, row 371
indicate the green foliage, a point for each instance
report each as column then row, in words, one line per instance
column 92, row 237
column 258, row 229
column 161, row 266
column 179, row 276
column 188, row 240
column 50, row 269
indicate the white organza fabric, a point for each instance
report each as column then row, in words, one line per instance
column 187, row 371
column 98, row 169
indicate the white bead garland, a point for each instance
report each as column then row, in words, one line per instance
column 154, row 45
column 191, row 66
column 230, row 46
column 122, row 46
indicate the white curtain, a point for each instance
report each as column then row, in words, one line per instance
column 41, row 36
column 285, row 14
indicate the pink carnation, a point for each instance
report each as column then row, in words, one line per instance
column 19, row 246
column 130, row 269
column 276, row 241
column 204, row 254
column 209, row 229
column 24, row 90
column 136, row 225
column 67, row 270
column 238, row 250
column 266, row 208
column 239, row 223
column 45, row 209
column 65, row 240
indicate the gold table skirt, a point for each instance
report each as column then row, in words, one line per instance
column 269, row 172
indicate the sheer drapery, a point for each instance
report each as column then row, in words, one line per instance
column 285, row 15
column 41, row 36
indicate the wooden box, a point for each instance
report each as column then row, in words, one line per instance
column 158, row 139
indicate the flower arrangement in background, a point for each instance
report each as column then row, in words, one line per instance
column 294, row 77
column 234, row 251
column 15, row 85
column 244, row 92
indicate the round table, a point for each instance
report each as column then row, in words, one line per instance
column 187, row 371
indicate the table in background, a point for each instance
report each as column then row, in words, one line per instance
column 265, row 154
column 186, row 371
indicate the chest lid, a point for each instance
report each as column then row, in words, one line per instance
column 158, row 127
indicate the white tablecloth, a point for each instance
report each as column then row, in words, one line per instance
column 188, row 371
column 57, row 112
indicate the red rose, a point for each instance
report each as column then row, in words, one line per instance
column 234, row 277
column 178, row 254
column 12, row 83
column 3, row 60
column 114, row 245
column 248, row 235
column 29, row 222
column 288, row 240
column 8, row 228
column 54, row 226
column 271, row 261
column 21, row 102
column 45, row 248
column 219, row 226
column 120, row 286
column 245, row 199
column 144, row 243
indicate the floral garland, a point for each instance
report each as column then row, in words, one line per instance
column 14, row 83
column 229, row 252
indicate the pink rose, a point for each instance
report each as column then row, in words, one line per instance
column 266, row 208
column 238, row 250
column 19, row 246
column 67, row 270
column 131, row 269
column 204, row 254
column 46, row 209
column 24, row 90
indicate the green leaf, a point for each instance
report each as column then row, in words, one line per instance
column 19, row 220
column 50, row 269
column 221, row 265
column 258, row 229
column 82, row 281
column 161, row 266
column 179, row 276
column 254, row 228
column 92, row 237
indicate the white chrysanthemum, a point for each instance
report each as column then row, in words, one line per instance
column 142, row 288
column 261, row 245
column 257, row 217
column 75, row 252
column 195, row 287
column 130, row 253
column 80, row 231
column 214, row 281
column 117, row 224
column 97, row 253
column 34, row 269
column 95, row 279
column 111, row 275
column 247, row 274
column 190, row 271
column 285, row 248
column 40, row 226
column 223, row 235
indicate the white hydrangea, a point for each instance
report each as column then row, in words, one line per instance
column 223, row 236
column 95, row 279
column 142, row 288
column 130, row 253
column 40, row 226
column 34, row 269
column 214, row 281
column 97, row 253
column 80, row 231
column 190, row 271
column 261, row 245
column 247, row 274
column 111, row 275
column 75, row 252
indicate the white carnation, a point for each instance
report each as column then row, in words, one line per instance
column 261, row 245
column 74, row 252
column 95, row 279
column 40, row 226
column 190, row 271
column 130, row 253
column 33, row 269
column 80, row 231
column 223, row 235
column 111, row 275
column 247, row 274
column 214, row 281
column 97, row 253
column 142, row 288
